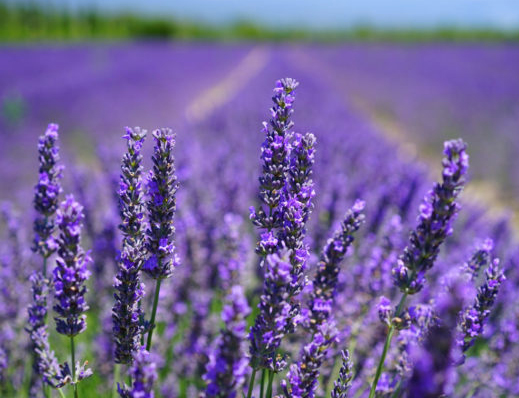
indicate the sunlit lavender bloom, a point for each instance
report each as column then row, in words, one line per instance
column 274, row 313
column 143, row 374
column 302, row 377
column 343, row 383
column 296, row 205
column 46, row 192
column 46, row 363
column 473, row 318
column 227, row 364
column 71, row 272
column 479, row 259
column 325, row 281
column 129, row 289
column 274, row 155
column 437, row 213
column 385, row 310
column 162, row 188
column 233, row 252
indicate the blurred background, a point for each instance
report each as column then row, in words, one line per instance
column 419, row 72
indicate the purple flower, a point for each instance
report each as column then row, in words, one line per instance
column 128, row 287
column 385, row 310
column 275, row 151
column 434, row 223
column 326, row 278
column 343, row 383
column 274, row 317
column 473, row 318
column 71, row 272
column 143, row 375
column 227, row 365
column 45, row 363
column 161, row 206
column 46, row 192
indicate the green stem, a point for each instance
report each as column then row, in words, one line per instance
column 389, row 337
column 251, row 383
column 117, row 376
column 73, row 366
column 269, row 386
column 153, row 313
column 61, row 393
column 262, row 385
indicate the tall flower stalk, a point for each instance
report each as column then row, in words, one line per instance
column 70, row 275
column 302, row 377
column 162, row 188
column 126, row 312
column 46, row 200
column 437, row 213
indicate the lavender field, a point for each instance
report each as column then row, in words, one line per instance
column 359, row 243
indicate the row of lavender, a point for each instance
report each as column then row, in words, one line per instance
column 437, row 92
column 323, row 324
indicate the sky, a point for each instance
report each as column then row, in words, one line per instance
column 322, row 14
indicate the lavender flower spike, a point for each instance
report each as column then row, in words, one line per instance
column 144, row 374
column 227, row 365
column 325, row 280
column 274, row 314
column 274, row 155
column 70, row 273
column 46, row 192
column 479, row 259
column 343, row 382
column 436, row 215
column 162, row 187
column 128, row 286
column 46, row 363
column 473, row 318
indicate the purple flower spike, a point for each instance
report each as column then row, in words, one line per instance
column 227, row 364
column 437, row 213
column 144, row 375
column 473, row 318
column 46, row 363
column 162, row 188
column 71, row 272
column 343, row 383
column 274, row 317
column 46, row 192
column 128, row 287
column 274, row 154
column 325, row 281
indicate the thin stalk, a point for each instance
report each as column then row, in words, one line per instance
column 117, row 376
column 269, row 386
column 389, row 337
column 262, row 385
column 73, row 366
column 153, row 313
column 251, row 383
column 61, row 393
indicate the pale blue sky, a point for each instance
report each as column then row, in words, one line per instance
column 326, row 13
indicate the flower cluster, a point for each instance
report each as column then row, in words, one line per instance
column 128, row 286
column 46, row 192
column 71, row 272
column 162, row 187
column 227, row 364
column 274, row 313
column 473, row 318
column 274, row 155
column 325, row 280
column 45, row 363
column 143, row 374
column 479, row 259
column 343, row 383
column 437, row 213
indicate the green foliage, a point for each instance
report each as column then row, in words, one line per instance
column 28, row 21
